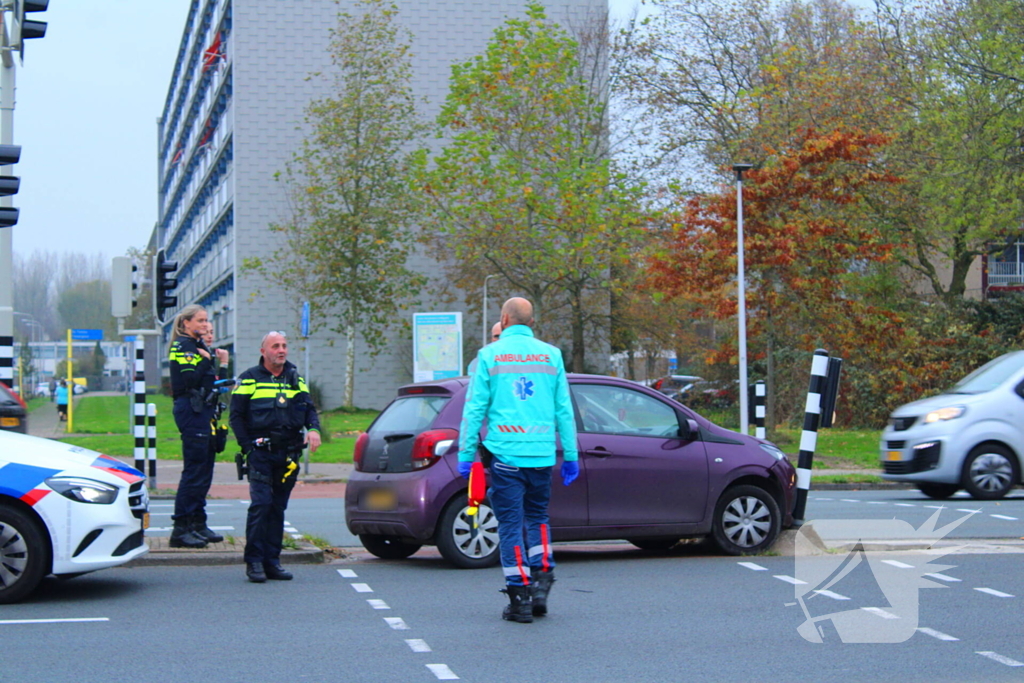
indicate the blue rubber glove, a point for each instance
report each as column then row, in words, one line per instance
column 570, row 470
column 464, row 468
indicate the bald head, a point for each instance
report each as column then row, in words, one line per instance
column 516, row 311
column 496, row 331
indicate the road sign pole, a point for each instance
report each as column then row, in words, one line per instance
column 71, row 389
column 7, row 80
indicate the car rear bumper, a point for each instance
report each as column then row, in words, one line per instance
column 406, row 505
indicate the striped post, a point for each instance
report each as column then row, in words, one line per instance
column 759, row 396
column 809, row 437
column 139, row 413
column 7, row 361
column 151, row 446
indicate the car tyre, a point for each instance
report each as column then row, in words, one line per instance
column 654, row 544
column 456, row 541
column 990, row 472
column 24, row 554
column 937, row 491
column 747, row 521
column 389, row 547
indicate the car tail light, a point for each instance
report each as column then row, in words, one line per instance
column 359, row 451
column 430, row 445
column 657, row 385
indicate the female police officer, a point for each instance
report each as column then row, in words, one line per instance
column 193, row 372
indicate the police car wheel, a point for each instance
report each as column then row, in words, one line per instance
column 24, row 554
column 746, row 521
column 389, row 547
column 460, row 544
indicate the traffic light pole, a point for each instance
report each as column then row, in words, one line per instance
column 7, row 79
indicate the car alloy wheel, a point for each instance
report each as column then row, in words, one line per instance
column 460, row 543
column 24, row 555
column 746, row 520
column 990, row 472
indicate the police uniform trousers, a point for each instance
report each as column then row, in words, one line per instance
column 197, row 456
column 519, row 497
column 268, row 499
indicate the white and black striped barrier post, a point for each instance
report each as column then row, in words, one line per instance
column 139, row 411
column 809, row 437
column 151, row 446
column 759, row 397
column 7, row 362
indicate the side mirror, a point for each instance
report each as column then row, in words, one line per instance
column 692, row 430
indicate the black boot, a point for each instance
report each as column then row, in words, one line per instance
column 182, row 535
column 541, row 587
column 520, row 607
column 276, row 572
column 204, row 532
column 254, row 570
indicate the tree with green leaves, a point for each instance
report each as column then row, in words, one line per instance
column 347, row 242
column 524, row 186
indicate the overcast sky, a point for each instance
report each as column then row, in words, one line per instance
column 88, row 97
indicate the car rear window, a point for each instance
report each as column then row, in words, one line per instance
column 413, row 414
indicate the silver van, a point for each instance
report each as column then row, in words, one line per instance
column 968, row 437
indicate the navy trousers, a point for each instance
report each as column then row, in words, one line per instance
column 269, row 491
column 197, row 454
column 519, row 497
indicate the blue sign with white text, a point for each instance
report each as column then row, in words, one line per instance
column 86, row 335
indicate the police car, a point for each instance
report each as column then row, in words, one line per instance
column 64, row 510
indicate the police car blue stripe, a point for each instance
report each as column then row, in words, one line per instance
column 16, row 479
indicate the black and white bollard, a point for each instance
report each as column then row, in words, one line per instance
column 759, row 396
column 139, row 411
column 7, row 362
column 151, row 446
column 809, row 437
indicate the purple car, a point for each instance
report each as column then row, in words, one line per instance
column 651, row 472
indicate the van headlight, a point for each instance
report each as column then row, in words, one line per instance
column 773, row 451
column 943, row 414
column 83, row 490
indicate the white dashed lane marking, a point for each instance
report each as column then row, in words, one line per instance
column 7, row 622
column 1000, row 658
column 900, row 565
column 993, row 591
column 849, row 500
column 967, row 510
column 417, row 645
column 943, row 577
column 905, row 505
column 936, row 634
column 751, row 565
column 442, row 672
column 830, row 594
column 878, row 611
column 362, row 588
column 397, row 623
column 789, row 579
column 877, row 502
column 1006, row 517
column 347, row 574
column 377, row 604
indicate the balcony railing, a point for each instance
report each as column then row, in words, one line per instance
column 1005, row 273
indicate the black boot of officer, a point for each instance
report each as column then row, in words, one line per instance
column 200, row 529
column 183, row 536
column 520, row 607
column 541, row 587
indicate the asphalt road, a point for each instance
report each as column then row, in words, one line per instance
column 616, row 615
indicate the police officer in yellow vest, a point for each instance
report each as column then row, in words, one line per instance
column 269, row 409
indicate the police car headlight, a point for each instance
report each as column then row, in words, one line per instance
column 773, row 451
column 83, row 490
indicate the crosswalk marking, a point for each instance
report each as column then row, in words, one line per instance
column 936, row 634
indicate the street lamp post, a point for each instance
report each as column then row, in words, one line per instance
column 483, row 312
column 741, row 295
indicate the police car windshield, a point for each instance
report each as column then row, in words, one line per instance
column 991, row 375
column 413, row 414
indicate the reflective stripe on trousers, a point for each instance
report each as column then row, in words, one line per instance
column 519, row 497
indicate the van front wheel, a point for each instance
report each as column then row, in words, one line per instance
column 990, row 472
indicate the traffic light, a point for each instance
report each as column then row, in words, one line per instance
column 9, row 185
column 123, row 287
column 25, row 29
column 164, row 283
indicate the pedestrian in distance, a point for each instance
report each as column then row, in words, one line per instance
column 270, row 408
column 193, row 372
column 520, row 388
column 53, row 390
column 495, row 335
column 61, row 394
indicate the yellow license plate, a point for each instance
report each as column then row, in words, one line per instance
column 893, row 456
column 145, row 520
column 380, row 500
column 9, row 421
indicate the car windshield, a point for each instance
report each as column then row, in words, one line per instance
column 412, row 414
column 990, row 375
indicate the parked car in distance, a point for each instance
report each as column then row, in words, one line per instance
column 651, row 471
column 64, row 510
column 13, row 413
column 970, row 437
column 675, row 386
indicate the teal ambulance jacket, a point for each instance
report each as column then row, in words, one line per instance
column 520, row 387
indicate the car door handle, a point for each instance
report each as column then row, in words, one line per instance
column 599, row 452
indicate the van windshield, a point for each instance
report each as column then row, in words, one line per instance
column 990, row 375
